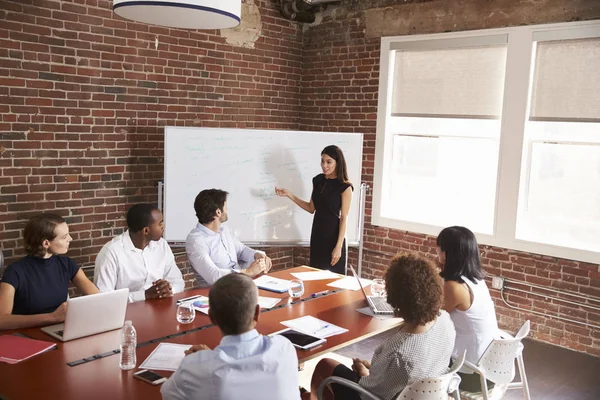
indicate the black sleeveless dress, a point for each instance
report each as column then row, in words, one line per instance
column 327, row 198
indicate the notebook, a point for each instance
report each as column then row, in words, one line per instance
column 17, row 348
column 272, row 284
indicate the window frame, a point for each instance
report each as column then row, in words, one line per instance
column 515, row 109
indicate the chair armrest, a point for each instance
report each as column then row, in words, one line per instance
column 473, row 367
column 345, row 382
column 454, row 383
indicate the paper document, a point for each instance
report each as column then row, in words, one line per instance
column 267, row 302
column 316, row 275
column 314, row 326
column 350, row 283
column 200, row 303
column 273, row 284
column 166, row 357
column 369, row 312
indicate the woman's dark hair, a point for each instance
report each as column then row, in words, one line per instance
column 140, row 216
column 414, row 288
column 462, row 254
column 341, row 170
column 40, row 228
column 208, row 202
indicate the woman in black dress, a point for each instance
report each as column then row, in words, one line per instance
column 330, row 202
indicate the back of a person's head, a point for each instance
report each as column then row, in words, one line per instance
column 38, row 229
column 232, row 302
column 140, row 216
column 207, row 203
column 462, row 254
column 414, row 288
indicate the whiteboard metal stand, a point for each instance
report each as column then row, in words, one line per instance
column 361, row 224
column 160, row 195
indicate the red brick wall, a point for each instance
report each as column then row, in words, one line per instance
column 339, row 93
column 85, row 95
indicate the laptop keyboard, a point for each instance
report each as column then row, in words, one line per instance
column 381, row 305
column 59, row 333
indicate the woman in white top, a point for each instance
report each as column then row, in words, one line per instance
column 466, row 298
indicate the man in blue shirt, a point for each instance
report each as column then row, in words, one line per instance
column 212, row 249
column 246, row 365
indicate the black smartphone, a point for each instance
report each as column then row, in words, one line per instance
column 149, row 376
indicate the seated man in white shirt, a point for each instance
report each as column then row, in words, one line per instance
column 139, row 259
column 212, row 249
column 246, row 365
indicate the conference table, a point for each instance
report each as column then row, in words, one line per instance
column 89, row 367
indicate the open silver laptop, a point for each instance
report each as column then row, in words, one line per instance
column 378, row 304
column 88, row 315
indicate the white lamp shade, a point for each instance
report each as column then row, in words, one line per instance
column 187, row 14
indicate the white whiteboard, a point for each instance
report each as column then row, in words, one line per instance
column 249, row 164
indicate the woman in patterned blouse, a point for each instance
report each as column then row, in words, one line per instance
column 420, row 349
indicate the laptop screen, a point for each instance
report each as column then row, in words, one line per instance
column 358, row 279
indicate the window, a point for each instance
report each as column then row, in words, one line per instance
column 496, row 130
column 559, row 202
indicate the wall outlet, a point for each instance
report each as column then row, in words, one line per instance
column 497, row 282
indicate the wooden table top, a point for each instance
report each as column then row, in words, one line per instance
column 48, row 376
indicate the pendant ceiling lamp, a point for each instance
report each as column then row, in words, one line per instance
column 187, row 14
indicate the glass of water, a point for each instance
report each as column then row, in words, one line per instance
column 186, row 313
column 296, row 289
column 378, row 288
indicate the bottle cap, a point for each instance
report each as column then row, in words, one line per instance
column 128, row 323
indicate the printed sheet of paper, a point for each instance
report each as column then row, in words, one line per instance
column 200, row 304
column 314, row 326
column 350, row 283
column 267, row 302
column 316, row 275
column 166, row 357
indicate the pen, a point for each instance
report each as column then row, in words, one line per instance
column 322, row 328
column 187, row 299
column 320, row 293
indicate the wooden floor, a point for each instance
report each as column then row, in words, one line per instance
column 553, row 373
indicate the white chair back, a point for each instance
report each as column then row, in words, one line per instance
column 434, row 388
column 498, row 360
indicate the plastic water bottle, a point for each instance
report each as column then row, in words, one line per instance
column 128, row 344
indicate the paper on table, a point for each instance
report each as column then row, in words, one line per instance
column 316, row 275
column 369, row 312
column 350, row 283
column 274, row 284
column 314, row 326
column 200, row 304
column 267, row 302
column 166, row 357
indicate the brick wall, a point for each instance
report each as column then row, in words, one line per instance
column 339, row 93
column 85, row 95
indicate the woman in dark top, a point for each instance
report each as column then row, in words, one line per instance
column 330, row 202
column 34, row 290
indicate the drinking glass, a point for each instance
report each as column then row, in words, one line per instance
column 186, row 313
column 296, row 289
column 378, row 288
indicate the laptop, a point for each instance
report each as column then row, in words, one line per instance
column 378, row 304
column 88, row 315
